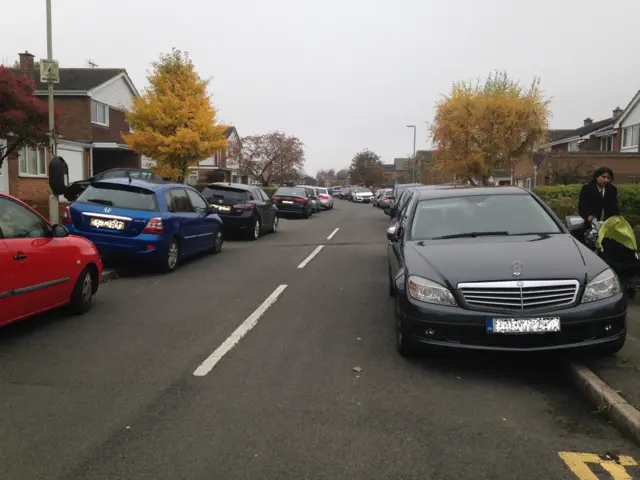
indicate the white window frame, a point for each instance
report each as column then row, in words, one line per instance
column 41, row 162
column 98, row 105
column 606, row 143
column 573, row 146
column 528, row 183
column 627, row 136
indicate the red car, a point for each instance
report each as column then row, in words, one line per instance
column 41, row 265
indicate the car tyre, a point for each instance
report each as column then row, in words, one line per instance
column 83, row 292
column 172, row 257
column 274, row 224
column 254, row 234
column 404, row 345
column 218, row 242
column 306, row 214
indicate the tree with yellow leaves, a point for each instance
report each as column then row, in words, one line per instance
column 173, row 122
column 483, row 127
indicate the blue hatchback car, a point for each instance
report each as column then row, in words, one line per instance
column 142, row 220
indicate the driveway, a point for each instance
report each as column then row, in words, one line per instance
column 241, row 366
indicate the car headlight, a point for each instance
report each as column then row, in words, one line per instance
column 428, row 291
column 605, row 285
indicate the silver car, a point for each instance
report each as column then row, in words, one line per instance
column 383, row 200
column 326, row 200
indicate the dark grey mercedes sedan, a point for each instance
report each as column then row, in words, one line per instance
column 493, row 268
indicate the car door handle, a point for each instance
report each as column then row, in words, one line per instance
column 20, row 256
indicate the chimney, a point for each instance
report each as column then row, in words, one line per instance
column 588, row 121
column 26, row 64
column 617, row 112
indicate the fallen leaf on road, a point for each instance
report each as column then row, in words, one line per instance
column 357, row 369
column 504, row 419
column 358, row 338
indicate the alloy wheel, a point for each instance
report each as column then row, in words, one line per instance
column 87, row 290
column 172, row 255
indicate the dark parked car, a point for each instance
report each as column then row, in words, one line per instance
column 395, row 196
column 495, row 269
column 75, row 189
column 243, row 208
column 293, row 201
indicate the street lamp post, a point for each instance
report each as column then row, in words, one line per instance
column 415, row 161
column 54, row 213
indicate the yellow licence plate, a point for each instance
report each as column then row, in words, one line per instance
column 109, row 224
column 222, row 208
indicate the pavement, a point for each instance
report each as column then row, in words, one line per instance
column 241, row 366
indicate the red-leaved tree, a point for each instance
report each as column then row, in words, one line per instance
column 24, row 119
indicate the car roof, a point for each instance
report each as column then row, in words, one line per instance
column 149, row 184
column 469, row 191
column 237, row 186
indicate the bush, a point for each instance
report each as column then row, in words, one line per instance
column 563, row 200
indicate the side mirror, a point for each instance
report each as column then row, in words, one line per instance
column 574, row 223
column 58, row 175
column 392, row 232
column 60, row 231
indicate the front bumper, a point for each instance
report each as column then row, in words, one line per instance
column 362, row 199
column 582, row 326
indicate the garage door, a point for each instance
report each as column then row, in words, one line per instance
column 74, row 159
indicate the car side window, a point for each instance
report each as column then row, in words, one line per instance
column 264, row 195
column 198, row 202
column 402, row 214
column 115, row 174
column 181, row 201
column 169, row 199
column 16, row 221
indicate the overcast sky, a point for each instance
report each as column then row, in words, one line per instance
column 351, row 74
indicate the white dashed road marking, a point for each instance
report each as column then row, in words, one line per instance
column 332, row 234
column 311, row 256
column 237, row 335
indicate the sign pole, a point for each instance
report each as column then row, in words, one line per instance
column 54, row 209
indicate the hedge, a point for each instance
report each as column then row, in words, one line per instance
column 563, row 200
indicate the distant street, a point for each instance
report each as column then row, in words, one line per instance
column 113, row 395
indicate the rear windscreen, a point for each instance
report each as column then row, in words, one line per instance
column 290, row 192
column 225, row 194
column 128, row 197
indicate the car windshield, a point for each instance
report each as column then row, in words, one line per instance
column 323, row 191
column 225, row 194
column 360, row 190
column 480, row 215
column 128, row 197
column 290, row 192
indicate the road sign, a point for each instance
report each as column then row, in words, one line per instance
column 49, row 71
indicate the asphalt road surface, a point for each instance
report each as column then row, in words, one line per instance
column 149, row 385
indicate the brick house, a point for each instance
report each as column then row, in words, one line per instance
column 600, row 136
column 89, row 130
column 219, row 167
column 628, row 124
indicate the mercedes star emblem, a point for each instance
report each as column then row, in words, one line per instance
column 517, row 267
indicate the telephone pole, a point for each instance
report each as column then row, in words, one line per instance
column 54, row 212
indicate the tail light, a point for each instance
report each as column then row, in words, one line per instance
column 301, row 200
column 66, row 216
column 325, row 197
column 154, row 226
column 385, row 198
column 276, row 198
column 244, row 206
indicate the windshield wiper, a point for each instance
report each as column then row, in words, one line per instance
column 472, row 235
column 100, row 201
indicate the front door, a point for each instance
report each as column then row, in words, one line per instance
column 4, row 177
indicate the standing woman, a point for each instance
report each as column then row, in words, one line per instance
column 599, row 198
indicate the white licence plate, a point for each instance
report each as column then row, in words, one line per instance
column 287, row 201
column 108, row 224
column 523, row 325
column 222, row 208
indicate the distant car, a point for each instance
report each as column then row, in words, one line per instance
column 335, row 192
column 313, row 197
column 293, row 201
column 361, row 195
column 73, row 190
column 43, row 267
column 383, row 199
column 395, row 195
column 376, row 195
column 345, row 193
column 160, row 223
column 326, row 200
column 243, row 208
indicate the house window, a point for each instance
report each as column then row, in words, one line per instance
column 633, row 179
column 99, row 113
column 528, row 184
column 193, row 178
column 630, row 136
column 573, row 147
column 606, row 144
column 33, row 162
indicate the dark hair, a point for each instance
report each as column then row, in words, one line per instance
column 602, row 171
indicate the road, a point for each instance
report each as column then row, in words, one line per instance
column 113, row 395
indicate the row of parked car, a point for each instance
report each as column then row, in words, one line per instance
column 493, row 268
column 134, row 217
column 356, row 194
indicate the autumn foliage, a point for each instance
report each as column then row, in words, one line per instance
column 366, row 168
column 24, row 119
column 483, row 127
column 272, row 158
column 173, row 122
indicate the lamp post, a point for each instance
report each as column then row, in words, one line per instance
column 54, row 214
column 414, row 152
